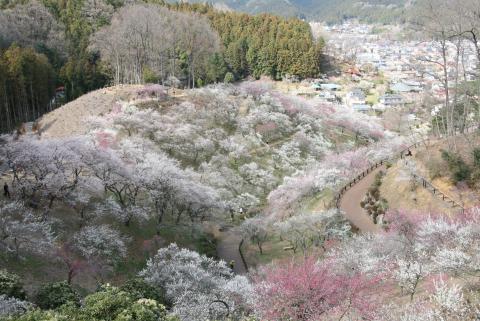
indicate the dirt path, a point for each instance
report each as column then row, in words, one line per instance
column 227, row 250
column 350, row 204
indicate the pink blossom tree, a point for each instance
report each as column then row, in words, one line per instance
column 312, row 291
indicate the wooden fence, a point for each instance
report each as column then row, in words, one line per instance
column 426, row 184
column 362, row 175
column 432, row 188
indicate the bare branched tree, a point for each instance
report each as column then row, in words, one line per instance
column 145, row 39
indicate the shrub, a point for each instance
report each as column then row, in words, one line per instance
column 139, row 289
column 54, row 295
column 476, row 157
column 111, row 303
column 149, row 76
column 108, row 304
column 229, row 78
column 460, row 171
column 36, row 315
column 10, row 285
column 373, row 203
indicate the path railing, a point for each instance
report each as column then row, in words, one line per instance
column 436, row 191
column 362, row 175
column 353, row 182
column 426, row 184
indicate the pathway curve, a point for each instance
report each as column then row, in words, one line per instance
column 350, row 203
column 227, row 250
column 349, row 200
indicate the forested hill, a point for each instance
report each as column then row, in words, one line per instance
column 382, row 11
column 83, row 45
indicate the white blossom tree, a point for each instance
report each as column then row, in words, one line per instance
column 306, row 230
column 13, row 306
column 199, row 287
column 102, row 246
column 254, row 230
column 21, row 232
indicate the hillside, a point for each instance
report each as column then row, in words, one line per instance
column 124, row 203
column 70, row 119
column 139, row 167
column 383, row 11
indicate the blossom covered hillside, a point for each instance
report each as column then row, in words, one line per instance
column 422, row 268
column 153, row 168
column 95, row 215
column 240, row 141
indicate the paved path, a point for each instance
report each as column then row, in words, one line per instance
column 350, row 203
column 227, row 250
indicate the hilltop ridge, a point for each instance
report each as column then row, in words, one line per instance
column 383, row 11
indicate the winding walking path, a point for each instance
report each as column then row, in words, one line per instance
column 350, row 203
column 227, row 250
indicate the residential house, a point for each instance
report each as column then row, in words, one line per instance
column 392, row 100
column 355, row 97
column 327, row 96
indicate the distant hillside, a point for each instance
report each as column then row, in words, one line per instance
column 384, row 11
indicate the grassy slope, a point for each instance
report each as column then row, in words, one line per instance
column 397, row 189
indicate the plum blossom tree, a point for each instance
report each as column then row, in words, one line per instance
column 255, row 89
column 21, row 232
column 308, row 290
column 449, row 301
column 161, row 183
column 367, row 254
column 199, row 287
column 241, row 204
column 122, row 180
column 409, row 274
column 306, row 230
column 13, row 306
column 257, row 177
column 102, row 246
column 83, row 204
column 253, row 229
column 195, row 200
column 45, row 171
column 101, row 241
column 66, row 253
column 446, row 302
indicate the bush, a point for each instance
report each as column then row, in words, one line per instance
column 139, row 289
column 36, row 315
column 373, row 203
column 460, row 171
column 149, row 76
column 229, row 78
column 11, row 286
column 108, row 304
column 114, row 304
column 54, row 295
column 476, row 157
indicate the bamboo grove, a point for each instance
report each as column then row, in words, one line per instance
column 27, row 84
